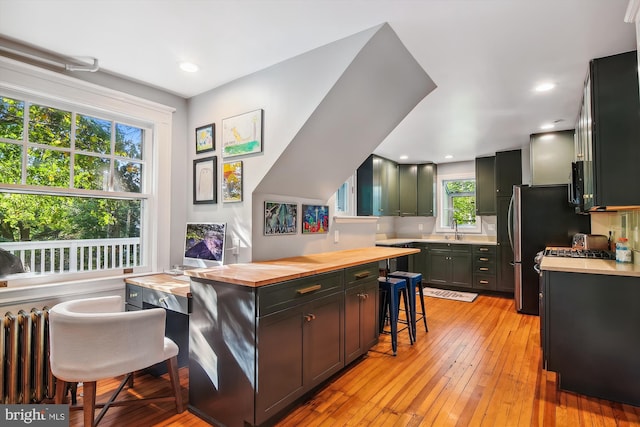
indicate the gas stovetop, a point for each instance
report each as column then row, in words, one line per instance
column 579, row 253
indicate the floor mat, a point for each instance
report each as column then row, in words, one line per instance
column 452, row 295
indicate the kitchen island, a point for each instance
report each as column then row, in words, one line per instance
column 589, row 326
column 264, row 335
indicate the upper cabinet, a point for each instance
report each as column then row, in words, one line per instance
column 377, row 187
column 508, row 171
column 485, row 186
column 427, row 174
column 608, row 132
column 387, row 189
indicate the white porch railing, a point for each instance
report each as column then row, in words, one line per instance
column 62, row 256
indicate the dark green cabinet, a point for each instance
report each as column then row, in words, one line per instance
column 361, row 302
column 378, row 187
column 421, row 260
column 408, row 190
column 608, row 131
column 485, row 186
column 427, row 173
column 508, row 171
column 484, row 267
column 450, row 264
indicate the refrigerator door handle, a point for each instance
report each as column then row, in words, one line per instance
column 517, row 294
column 510, row 221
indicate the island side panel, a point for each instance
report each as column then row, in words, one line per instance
column 222, row 352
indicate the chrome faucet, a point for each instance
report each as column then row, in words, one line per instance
column 454, row 225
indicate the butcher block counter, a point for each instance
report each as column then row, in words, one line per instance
column 262, row 273
column 265, row 335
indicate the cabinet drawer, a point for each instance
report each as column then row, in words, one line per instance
column 483, row 281
column 484, row 249
column 359, row 274
column 133, row 295
column 489, row 268
column 166, row 300
column 272, row 298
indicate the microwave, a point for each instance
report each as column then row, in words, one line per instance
column 576, row 188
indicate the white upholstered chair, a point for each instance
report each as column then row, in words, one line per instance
column 93, row 339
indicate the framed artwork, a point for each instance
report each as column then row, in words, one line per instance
column 280, row 218
column 206, row 138
column 232, row 182
column 242, row 134
column 315, row 219
column 204, row 180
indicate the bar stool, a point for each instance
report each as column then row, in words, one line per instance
column 414, row 281
column 392, row 289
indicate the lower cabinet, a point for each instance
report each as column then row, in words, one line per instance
column 421, row 260
column 361, row 299
column 450, row 264
column 297, row 349
column 484, row 267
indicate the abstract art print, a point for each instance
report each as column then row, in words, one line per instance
column 280, row 218
column 315, row 219
column 205, row 138
column 232, row 182
column 242, row 134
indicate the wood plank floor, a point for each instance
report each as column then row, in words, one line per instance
column 479, row 365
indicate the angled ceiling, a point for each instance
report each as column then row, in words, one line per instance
column 485, row 56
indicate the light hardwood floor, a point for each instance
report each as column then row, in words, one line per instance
column 479, row 365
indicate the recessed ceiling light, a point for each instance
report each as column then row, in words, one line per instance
column 189, row 67
column 404, row 157
column 448, row 156
column 547, row 126
column 544, row 87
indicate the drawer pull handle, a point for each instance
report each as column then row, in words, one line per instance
column 484, row 259
column 484, row 268
column 133, row 295
column 483, row 249
column 362, row 275
column 363, row 295
column 309, row 317
column 309, row 289
column 484, row 282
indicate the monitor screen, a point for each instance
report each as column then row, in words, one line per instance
column 204, row 244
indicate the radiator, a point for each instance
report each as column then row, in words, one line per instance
column 25, row 376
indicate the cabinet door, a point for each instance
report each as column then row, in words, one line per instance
column 408, row 190
column 461, row 268
column 485, row 186
column 389, row 185
column 426, row 187
column 508, row 171
column 364, row 188
column 506, row 274
column 421, row 261
column 369, row 315
column 323, row 351
column 279, row 354
column 439, row 266
column 360, row 319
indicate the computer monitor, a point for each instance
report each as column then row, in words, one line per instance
column 204, row 244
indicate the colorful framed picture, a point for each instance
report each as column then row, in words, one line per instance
column 280, row 218
column 242, row 134
column 206, row 138
column 315, row 219
column 232, row 182
column 204, row 180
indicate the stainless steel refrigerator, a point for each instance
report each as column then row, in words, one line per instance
column 539, row 216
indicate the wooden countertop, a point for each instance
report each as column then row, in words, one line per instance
column 589, row 266
column 163, row 282
column 262, row 273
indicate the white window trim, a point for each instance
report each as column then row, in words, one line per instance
column 19, row 78
column 441, row 204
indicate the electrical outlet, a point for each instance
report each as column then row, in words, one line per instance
column 336, row 236
column 420, row 227
column 377, row 227
column 236, row 246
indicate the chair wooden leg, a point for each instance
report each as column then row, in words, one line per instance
column 89, row 403
column 61, row 391
column 172, row 367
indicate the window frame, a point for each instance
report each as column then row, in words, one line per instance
column 43, row 87
column 441, row 197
